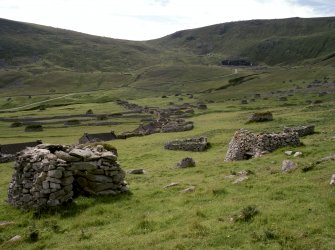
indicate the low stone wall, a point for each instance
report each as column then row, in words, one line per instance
column 302, row 130
column 49, row 175
column 190, row 144
column 245, row 144
column 6, row 158
column 261, row 117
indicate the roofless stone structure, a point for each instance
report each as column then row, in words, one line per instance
column 49, row 175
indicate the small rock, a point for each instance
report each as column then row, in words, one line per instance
column 171, row 184
column 6, row 223
column 186, row 163
column 15, row 238
column 80, row 153
column 288, row 166
column 241, row 179
column 189, row 190
column 332, row 180
column 136, row 171
column 289, row 152
column 297, row 154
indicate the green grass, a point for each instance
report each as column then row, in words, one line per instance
column 295, row 211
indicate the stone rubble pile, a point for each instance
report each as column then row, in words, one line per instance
column 245, row 144
column 302, row 130
column 189, row 144
column 49, row 175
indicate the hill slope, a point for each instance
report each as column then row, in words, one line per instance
column 41, row 59
column 282, row 41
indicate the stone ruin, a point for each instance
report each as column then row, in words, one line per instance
column 302, row 130
column 189, row 144
column 261, row 117
column 50, row 175
column 245, row 144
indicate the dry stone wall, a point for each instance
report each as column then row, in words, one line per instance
column 50, row 175
column 302, row 130
column 189, row 144
column 245, row 144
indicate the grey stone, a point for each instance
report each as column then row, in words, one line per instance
column 136, row 171
column 186, row 163
column 332, row 180
column 172, row 184
column 85, row 154
column 55, row 173
column 67, row 181
column 288, row 166
column 84, row 166
column 189, row 190
column 66, row 157
column 54, row 185
column 15, row 238
column 297, row 154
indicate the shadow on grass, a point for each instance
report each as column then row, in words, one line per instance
column 79, row 205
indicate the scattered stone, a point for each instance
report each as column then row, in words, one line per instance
column 186, row 163
column 288, row 166
column 188, row 190
column 301, row 130
column 245, row 145
column 172, row 184
column 6, row 223
column 332, row 180
column 136, row 171
column 189, row 144
column 241, row 179
column 289, row 153
column 15, row 238
column 202, row 106
column 297, row 154
column 261, row 117
column 33, row 128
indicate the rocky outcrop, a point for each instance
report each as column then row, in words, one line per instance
column 49, row 175
column 301, row 130
column 190, row 144
column 245, row 144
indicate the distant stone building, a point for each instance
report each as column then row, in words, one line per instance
column 11, row 149
column 86, row 138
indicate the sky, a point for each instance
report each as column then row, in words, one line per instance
column 150, row 19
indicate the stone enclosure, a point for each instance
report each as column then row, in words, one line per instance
column 50, row 175
column 245, row 144
column 189, row 144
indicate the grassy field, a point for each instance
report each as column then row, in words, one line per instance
column 293, row 210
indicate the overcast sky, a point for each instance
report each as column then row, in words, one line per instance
column 148, row 19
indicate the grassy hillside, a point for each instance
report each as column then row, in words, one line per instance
column 282, row 41
column 43, row 60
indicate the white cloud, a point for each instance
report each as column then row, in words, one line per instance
column 147, row 19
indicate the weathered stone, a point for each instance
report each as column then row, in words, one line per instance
column 136, row 171
column 15, row 238
column 190, row 144
column 186, row 163
column 288, row 166
column 297, row 154
column 302, row 130
column 80, row 153
column 173, row 184
column 84, row 166
column 188, row 190
column 55, row 173
column 245, row 144
column 6, row 223
column 288, row 153
column 332, row 180
column 41, row 179
column 66, row 157
column 261, row 117
column 241, row 179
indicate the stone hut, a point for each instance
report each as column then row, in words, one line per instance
column 189, row 144
column 301, row 130
column 87, row 138
column 261, row 117
column 49, row 175
column 245, row 144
